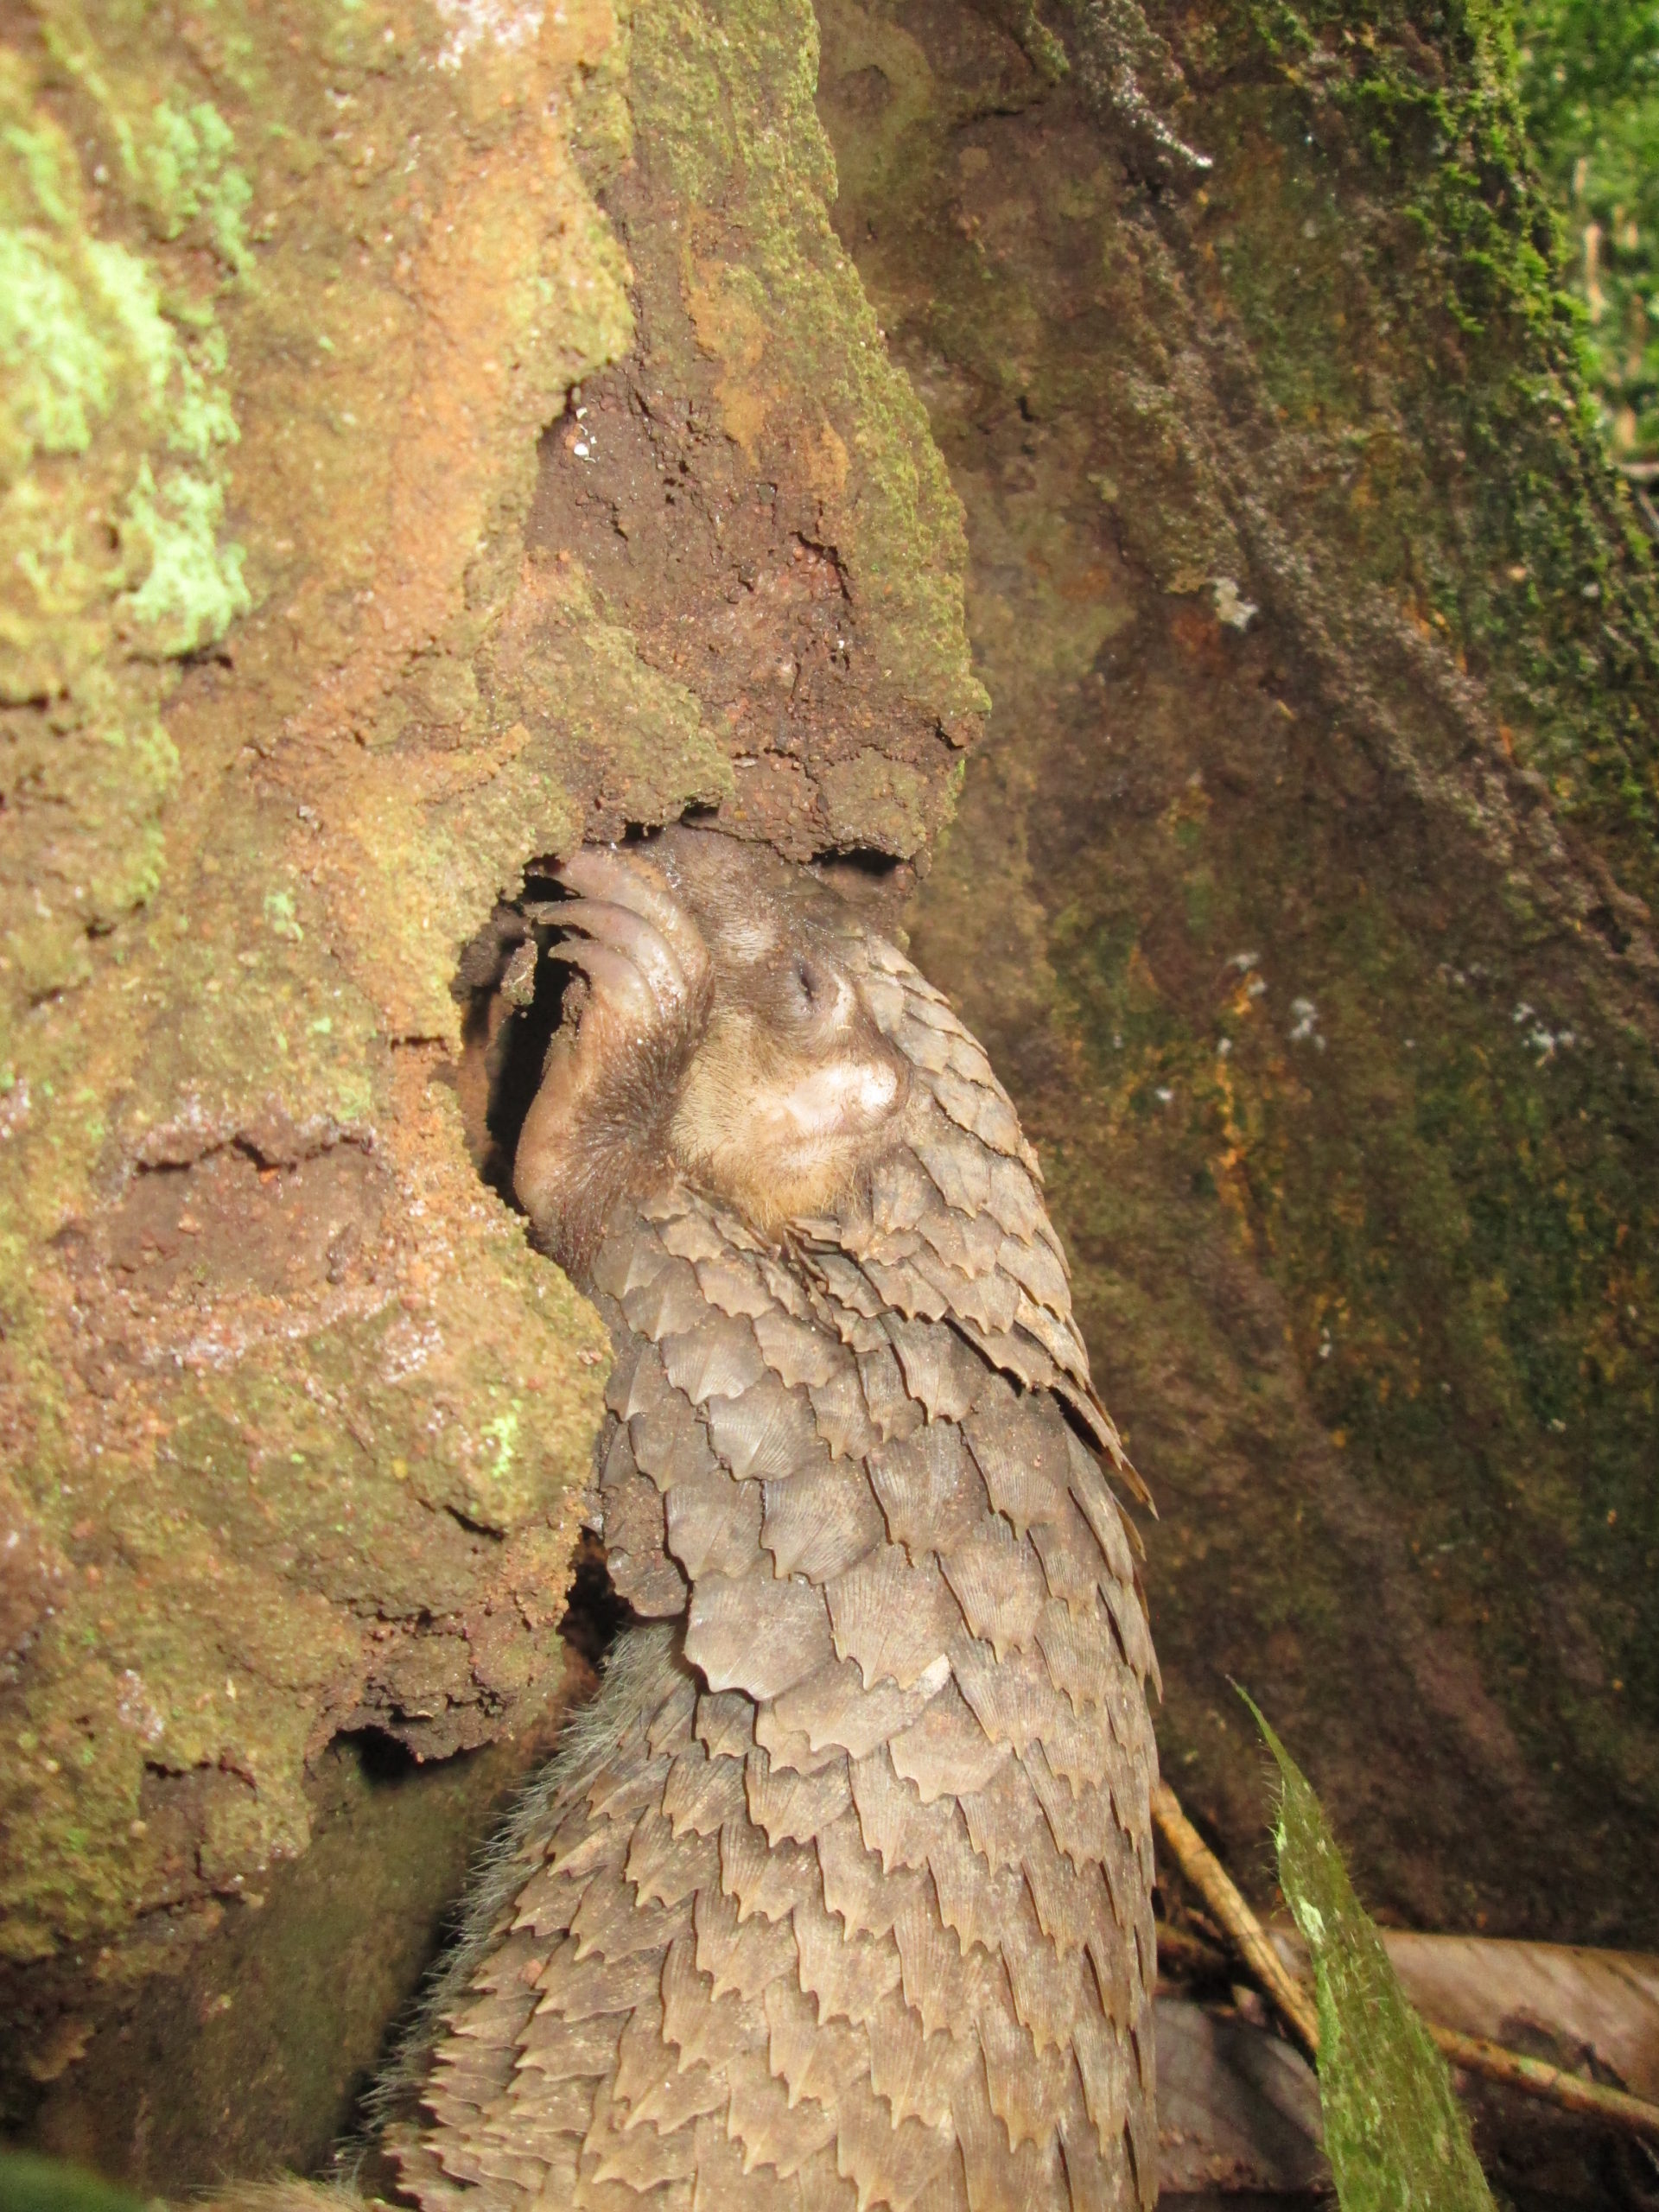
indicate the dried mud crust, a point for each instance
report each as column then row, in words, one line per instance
column 721, row 568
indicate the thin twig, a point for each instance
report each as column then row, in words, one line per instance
column 1554, row 2084
column 1538, row 2078
column 1216, row 1886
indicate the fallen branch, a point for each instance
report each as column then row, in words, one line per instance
column 1538, row 2078
column 1571, row 2092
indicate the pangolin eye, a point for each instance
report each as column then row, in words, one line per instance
column 810, row 985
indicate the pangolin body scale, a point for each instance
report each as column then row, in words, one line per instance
column 851, row 1906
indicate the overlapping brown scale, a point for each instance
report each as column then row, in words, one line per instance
column 706, row 2026
column 1001, row 2177
column 756, row 1634
column 665, row 1868
column 892, row 1615
column 1015, row 1698
column 1109, row 2078
column 1130, row 1622
column 892, row 1412
column 1002, row 1815
column 1081, row 1751
column 1058, row 1337
column 629, row 1254
column 940, row 1371
column 640, row 2157
column 716, row 1359
column 792, row 1807
column 1028, row 2087
column 556, row 2049
column 891, row 1816
column 974, row 1898
column 760, row 1875
column 1073, row 1905
column 768, row 1432
column 740, row 1955
column 575, row 1989
column 612, row 1920
column 924, row 1047
column 980, row 1111
column 641, row 2056
column 946, row 1752
column 636, row 1540
column 819, row 1524
column 945, row 1985
column 857, row 1886
column 668, row 1441
column 1081, row 1819
column 691, row 1235
column 997, row 1582
column 971, row 1244
column 680, row 2096
column 907, row 1287
column 988, row 1302
column 842, row 1414
column 929, row 1489
column 1017, row 1354
column 845, row 1283
column 832, row 1709
column 1073, row 1566
column 901, row 1193
column 797, row 1351
column 786, row 1289
column 888, row 2164
column 915, row 2072
column 844, row 1973
column 669, row 1305
column 1020, row 1444
column 699, row 1793
column 671, row 1726
column 711, row 1524
column 1038, row 1271
column 732, row 1283
column 772, row 2129
column 725, row 1723
column 809, row 2049
column 1093, row 1493
column 1081, row 1651
column 722, row 2185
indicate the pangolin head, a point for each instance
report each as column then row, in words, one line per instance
column 792, row 1088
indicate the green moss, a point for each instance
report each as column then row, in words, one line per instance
column 1423, row 326
column 1590, row 81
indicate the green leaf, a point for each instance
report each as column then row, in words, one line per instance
column 1394, row 2132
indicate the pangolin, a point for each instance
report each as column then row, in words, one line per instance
column 844, row 1897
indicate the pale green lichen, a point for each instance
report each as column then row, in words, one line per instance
column 114, row 424
column 185, row 171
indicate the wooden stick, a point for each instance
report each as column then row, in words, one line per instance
column 1216, row 1886
column 1572, row 2093
column 1538, row 2078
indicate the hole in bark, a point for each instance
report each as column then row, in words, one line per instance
column 514, row 999
column 381, row 1760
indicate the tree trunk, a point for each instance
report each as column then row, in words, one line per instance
column 441, row 432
